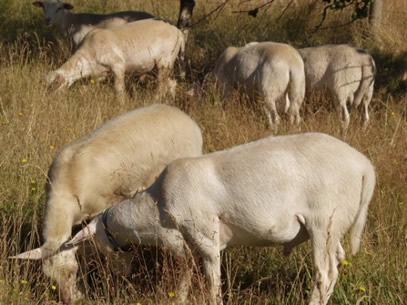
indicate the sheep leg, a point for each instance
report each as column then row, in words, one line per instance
column 181, row 61
column 271, row 112
column 295, row 98
column 340, row 254
column 208, row 247
column 172, row 85
column 327, row 253
column 118, row 70
column 175, row 242
column 120, row 262
column 227, row 91
column 212, row 272
column 185, row 278
column 294, row 112
column 365, row 113
column 344, row 118
column 342, row 110
column 165, row 83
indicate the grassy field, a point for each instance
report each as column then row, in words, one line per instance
column 35, row 124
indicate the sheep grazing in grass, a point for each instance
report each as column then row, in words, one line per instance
column 103, row 168
column 347, row 73
column 273, row 72
column 278, row 190
column 136, row 47
column 75, row 26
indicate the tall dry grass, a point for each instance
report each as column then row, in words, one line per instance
column 35, row 124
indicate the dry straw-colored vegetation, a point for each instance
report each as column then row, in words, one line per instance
column 35, row 124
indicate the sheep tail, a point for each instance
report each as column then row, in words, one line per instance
column 367, row 80
column 368, row 185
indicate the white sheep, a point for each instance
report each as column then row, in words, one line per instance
column 277, row 190
column 136, row 47
column 75, row 26
column 273, row 72
column 346, row 72
column 103, row 168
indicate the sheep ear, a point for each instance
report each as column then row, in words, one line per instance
column 38, row 4
column 85, row 234
column 35, row 254
column 67, row 6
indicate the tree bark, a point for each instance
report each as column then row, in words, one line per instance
column 375, row 14
column 185, row 16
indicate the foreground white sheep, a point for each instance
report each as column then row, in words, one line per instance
column 75, row 26
column 346, row 72
column 136, row 47
column 273, row 72
column 104, row 168
column 278, row 190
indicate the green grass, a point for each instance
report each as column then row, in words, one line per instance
column 35, row 124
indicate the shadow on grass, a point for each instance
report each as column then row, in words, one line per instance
column 391, row 69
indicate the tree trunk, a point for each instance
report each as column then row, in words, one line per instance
column 185, row 16
column 375, row 14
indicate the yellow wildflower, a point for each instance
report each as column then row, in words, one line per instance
column 362, row 289
column 33, row 182
column 393, row 113
column 53, row 287
column 171, row 294
column 20, row 113
column 24, row 160
column 33, row 189
column 23, row 282
column 345, row 262
column 92, row 81
column 51, row 147
column 138, row 304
